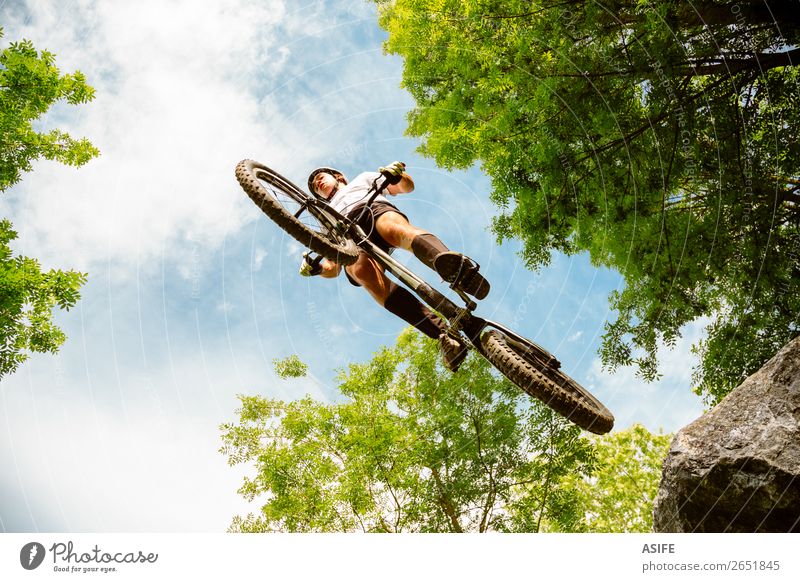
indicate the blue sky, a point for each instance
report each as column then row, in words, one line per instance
column 192, row 293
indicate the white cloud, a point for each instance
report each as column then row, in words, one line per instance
column 84, row 468
column 115, row 447
column 259, row 255
column 175, row 110
column 575, row 336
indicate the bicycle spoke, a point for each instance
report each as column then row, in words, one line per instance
column 295, row 207
column 304, row 217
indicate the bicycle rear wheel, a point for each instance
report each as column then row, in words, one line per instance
column 309, row 220
column 526, row 366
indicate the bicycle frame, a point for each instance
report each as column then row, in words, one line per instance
column 459, row 318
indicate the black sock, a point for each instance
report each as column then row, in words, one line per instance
column 427, row 247
column 404, row 305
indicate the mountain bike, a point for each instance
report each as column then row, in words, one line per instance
column 312, row 222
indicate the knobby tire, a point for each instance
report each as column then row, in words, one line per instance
column 326, row 240
column 551, row 386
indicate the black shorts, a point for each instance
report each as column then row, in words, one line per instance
column 367, row 224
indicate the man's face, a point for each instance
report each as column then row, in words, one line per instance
column 324, row 184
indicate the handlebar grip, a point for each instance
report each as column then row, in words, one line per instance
column 390, row 179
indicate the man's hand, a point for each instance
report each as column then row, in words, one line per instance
column 310, row 267
column 393, row 172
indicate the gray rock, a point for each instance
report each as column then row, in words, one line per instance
column 737, row 467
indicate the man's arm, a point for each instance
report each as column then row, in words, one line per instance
column 330, row 269
column 399, row 181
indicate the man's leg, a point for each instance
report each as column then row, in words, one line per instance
column 398, row 232
column 402, row 303
column 427, row 247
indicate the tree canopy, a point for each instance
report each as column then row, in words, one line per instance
column 658, row 137
column 30, row 84
column 413, row 448
column 27, row 299
column 618, row 496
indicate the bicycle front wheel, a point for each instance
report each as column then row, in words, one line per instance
column 309, row 220
column 527, row 367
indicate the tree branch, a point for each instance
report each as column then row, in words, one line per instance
column 789, row 196
column 490, row 495
column 758, row 62
column 526, row 14
column 445, row 503
column 650, row 122
column 749, row 13
column 548, row 475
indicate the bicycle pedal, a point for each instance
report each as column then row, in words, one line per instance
column 462, row 273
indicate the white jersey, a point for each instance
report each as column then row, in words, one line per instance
column 352, row 195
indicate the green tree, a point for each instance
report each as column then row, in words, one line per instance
column 413, row 448
column 290, row 367
column 27, row 299
column 618, row 496
column 30, row 84
column 657, row 136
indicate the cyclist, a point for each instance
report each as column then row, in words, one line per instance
column 388, row 228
